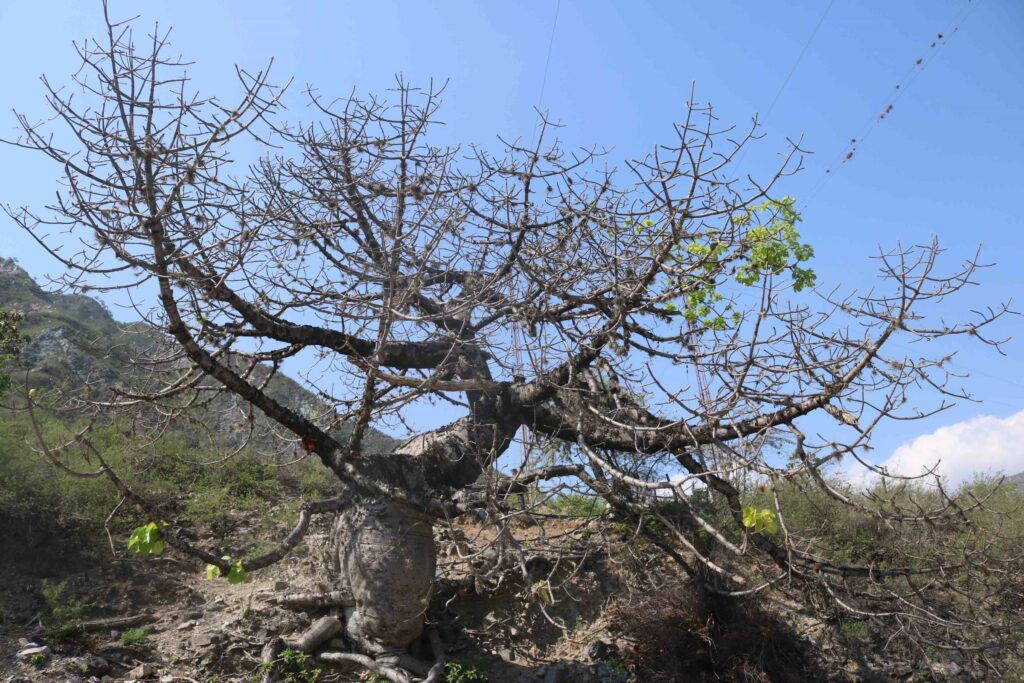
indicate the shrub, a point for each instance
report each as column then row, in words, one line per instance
column 133, row 636
column 65, row 613
column 577, row 505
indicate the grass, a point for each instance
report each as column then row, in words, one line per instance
column 577, row 505
column 35, row 494
column 65, row 613
column 134, row 636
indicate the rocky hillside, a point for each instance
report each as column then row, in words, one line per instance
column 74, row 338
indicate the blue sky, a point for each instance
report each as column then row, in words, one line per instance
column 945, row 161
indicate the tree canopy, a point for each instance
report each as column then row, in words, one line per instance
column 662, row 310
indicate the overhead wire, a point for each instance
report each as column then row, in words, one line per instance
column 789, row 76
column 895, row 94
column 693, row 338
column 517, row 335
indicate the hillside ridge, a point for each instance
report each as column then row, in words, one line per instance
column 73, row 338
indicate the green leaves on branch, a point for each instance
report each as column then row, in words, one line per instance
column 760, row 520
column 147, row 540
column 763, row 240
column 773, row 243
column 236, row 572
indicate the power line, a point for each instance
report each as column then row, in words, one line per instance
column 517, row 336
column 547, row 61
column 789, row 76
column 910, row 76
column 796, row 64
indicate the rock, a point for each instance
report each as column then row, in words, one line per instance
column 597, row 650
column 606, row 674
column 30, row 652
column 281, row 585
column 167, row 678
column 141, row 671
column 95, row 665
column 558, row 673
column 203, row 639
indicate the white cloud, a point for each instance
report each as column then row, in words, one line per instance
column 981, row 445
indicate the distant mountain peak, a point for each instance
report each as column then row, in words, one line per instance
column 10, row 265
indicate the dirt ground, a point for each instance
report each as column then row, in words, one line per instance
column 570, row 619
column 201, row 630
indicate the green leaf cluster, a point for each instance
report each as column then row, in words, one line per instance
column 458, row 672
column 765, row 241
column 236, row 571
column 134, row 636
column 296, row 666
column 147, row 539
column 773, row 243
column 760, row 520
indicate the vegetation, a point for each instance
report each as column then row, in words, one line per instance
column 65, row 614
column 133, row 636
column 459, row 672
column 245, row 484
column 673, row 336
column 10, row 344
column 295, row 667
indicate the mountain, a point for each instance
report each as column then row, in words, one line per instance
column 75, row 338
column 1015, row 480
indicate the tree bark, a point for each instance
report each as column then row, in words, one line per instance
column 386, row 557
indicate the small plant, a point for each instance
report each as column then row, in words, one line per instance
column 760, row 520
column 458, row 672
column 618, row 666
column 297, row 667
column 236, row 572
column 855, row 632
column 134, row 635
column 576, row 505
column 65, row 613
column 147, row 539
column 38, row 660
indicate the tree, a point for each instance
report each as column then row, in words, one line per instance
column 665, row 311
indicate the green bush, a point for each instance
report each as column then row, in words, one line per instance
column 65, row 614
column 577, row 505
column 134, row 635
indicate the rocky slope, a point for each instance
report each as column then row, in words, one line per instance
column 74, row 338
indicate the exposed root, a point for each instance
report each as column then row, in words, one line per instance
column 391, row 673
column 313, row 600
column 436, row 673
column 116, row 622
column 269, row 660
column 322, row 630
column 397, row 667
